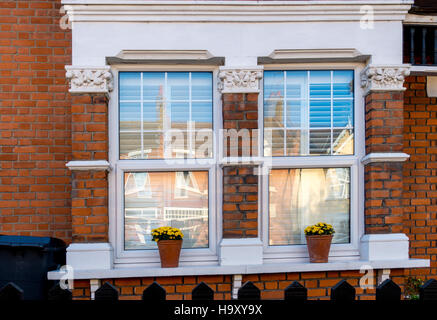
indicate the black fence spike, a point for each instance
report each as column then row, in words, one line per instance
column 342, row 292
column 56, row 293
column 11, row 292
column 295, row 292
column 428, row 291
column 106, row 292
column 388, row 291
column 202, row 292
column 154, row 292
column 249, row 291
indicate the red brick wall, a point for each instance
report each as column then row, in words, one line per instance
column 240, row 183
column 420, row 174
column 35, row 120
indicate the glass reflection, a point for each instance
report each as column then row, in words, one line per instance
column 155, row 199
column 302, row 197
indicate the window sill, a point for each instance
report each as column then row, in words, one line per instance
column 240, row 269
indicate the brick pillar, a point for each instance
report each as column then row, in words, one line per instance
column 90, row 187
column 240, row 184
column 89, row 165
column 383, row 180
column 383, row 239
column 241, row 243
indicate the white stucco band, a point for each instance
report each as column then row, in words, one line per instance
column 240, row 31
column 90, row 256
column 392, row 246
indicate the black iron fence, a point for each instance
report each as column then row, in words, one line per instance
column 387, row 291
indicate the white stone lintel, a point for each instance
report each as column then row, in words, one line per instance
column 97, row 165
column 392, row 246
column 90, row 256
column 89, row 79
column 385, row 157
column 241, row 251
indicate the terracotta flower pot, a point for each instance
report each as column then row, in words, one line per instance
column 169, row 251
column 318, row 248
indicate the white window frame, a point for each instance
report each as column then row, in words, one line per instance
column 299, row 253
column 150, row 258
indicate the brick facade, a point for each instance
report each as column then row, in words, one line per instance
column 420, row 174
column 42, row 127
column 35, row 124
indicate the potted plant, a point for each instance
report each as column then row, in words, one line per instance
column 319, row 237
column 169, row 242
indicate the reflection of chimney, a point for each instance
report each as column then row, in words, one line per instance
column 279, row 110
column 160, row 112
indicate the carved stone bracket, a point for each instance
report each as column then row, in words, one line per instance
column 89, row 79
column 384, row 78
column 236, row 80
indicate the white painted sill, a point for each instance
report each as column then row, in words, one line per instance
column 142, row 272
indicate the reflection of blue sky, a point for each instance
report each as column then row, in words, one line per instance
column 310, row 89
column 175, row 91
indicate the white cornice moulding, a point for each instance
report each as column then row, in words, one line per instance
column 98, row 165
column 240, row 80
column 232, row 11
column 376, row 78
column 385, row 157
column 89, row 79
column 314, row 55
column 201, row 57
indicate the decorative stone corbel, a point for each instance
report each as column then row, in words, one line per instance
column 239, row 80
column 89, row 79
column 384, row 78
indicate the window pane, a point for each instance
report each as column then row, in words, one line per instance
column 167, row 105
column 343, row 141
column 156, row 199
column 274, row 85
column 273, row 113
column 343, row 86
column 131, row 84
column 320, row 114
column 130, row 145
column 200, row 82
column 320, row 142
column 297, row 84
column 153, row 86
column 302, row 197
column 294, row 114
column 320, row 84
column 342, row 113
column 178, row 86
column 319, row 104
